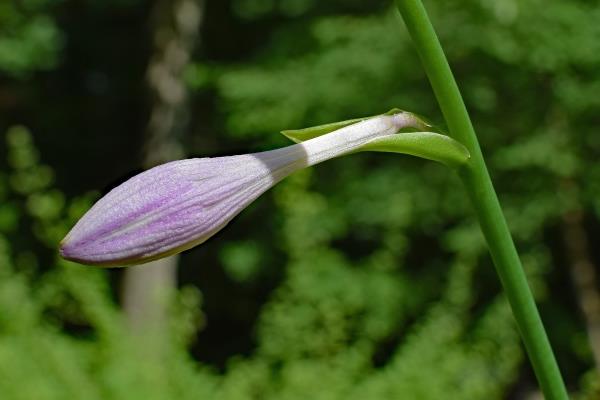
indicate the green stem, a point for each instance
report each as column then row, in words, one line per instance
column 483, row 196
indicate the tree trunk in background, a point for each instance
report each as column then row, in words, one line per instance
column 175, row 25
column 582, row 270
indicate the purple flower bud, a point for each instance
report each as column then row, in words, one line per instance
column 178, row 205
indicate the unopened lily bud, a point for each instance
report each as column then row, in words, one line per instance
column 178, row 205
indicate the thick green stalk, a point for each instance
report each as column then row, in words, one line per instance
column 483, row 196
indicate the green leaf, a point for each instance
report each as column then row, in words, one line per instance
column 300, row 135
column 429, row 145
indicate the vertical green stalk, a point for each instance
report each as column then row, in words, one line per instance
column 483, row 196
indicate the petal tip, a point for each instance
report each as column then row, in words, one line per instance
column 69, row 252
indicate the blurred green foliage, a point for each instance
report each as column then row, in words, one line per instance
column 380, row 283
column 29, row 37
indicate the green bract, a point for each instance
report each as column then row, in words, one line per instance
column 419, row 142
column 428, row 145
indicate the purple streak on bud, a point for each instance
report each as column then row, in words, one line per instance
column 178, row 205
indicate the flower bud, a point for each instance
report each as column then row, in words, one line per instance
column 178, row 205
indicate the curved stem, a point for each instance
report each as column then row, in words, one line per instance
column 483, row 196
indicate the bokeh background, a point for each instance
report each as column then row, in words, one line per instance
column 362, row 278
